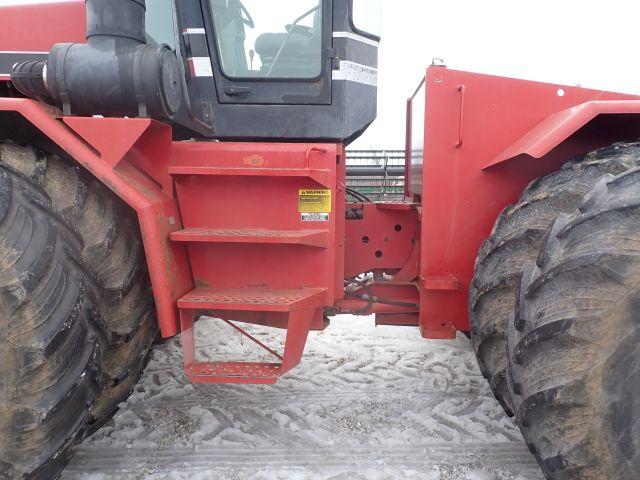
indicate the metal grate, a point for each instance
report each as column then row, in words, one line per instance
column 260, row 299
column 235, row 369
column 376, row 174
column 247, row 298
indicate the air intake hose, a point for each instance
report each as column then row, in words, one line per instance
column 116, row 73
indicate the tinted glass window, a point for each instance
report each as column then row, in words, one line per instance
column 367, row 16
column 269, row 38
column 160, row 24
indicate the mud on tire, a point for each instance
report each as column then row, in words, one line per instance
column 108, row 248
column 516, row 239
column 574, row 342
column 51, row 335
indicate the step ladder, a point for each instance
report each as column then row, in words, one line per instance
column 253, row 258
column 299, row 306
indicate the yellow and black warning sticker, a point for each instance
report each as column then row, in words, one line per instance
column 314, row 201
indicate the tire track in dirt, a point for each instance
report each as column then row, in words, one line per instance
column 115, row 461
column 363, row 399
column 278, row 398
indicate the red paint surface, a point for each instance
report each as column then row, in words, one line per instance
column 250, row 248
column 501, row 122
column 382, row 240
column 37, row 27
column 222, row 230
column 133, row 182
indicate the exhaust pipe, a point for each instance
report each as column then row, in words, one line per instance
column 116, row 73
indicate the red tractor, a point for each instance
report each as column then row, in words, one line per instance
column 188, row 159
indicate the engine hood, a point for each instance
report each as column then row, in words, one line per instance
column 46, row 24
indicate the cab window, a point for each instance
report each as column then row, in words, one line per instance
column 160, row 24
column 366, row 16
column 262, row 39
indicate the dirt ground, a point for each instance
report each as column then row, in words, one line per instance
column 366, row 403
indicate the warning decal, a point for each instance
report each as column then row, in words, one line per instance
column 314, row 201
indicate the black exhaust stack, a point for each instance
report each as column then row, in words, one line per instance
column 116, row 73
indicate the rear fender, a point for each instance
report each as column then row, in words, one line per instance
column 476, row 141
column 575, row 131
column 130, row 157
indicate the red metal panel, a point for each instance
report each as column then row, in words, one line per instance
column 133, row 181
column 253, row 188
column 558, row 127
column 145, row 143
column 383, row 239
column 340, row 232
column 473, row 121
column 55, row 22
column 50, row 23
column 268, row 220
column 398, row 319
column 111, row 137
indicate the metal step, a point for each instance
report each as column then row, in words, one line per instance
column 321, row 176
column 234, row 372
column 312, row 238
column 243, row 232
column 255, row 299
column 299, row 305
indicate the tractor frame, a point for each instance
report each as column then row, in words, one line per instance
column 492, row 136
column 260, row 231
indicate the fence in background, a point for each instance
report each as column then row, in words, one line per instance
column 378, row 175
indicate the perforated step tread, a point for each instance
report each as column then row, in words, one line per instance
column 215, row 372
column 258, row 299
column 314, row 238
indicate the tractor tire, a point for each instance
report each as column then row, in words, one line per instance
column 574, row 342
column 51, row 335
column 111, row 250
column 516, row 239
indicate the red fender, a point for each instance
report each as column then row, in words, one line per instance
column 475, row 142
column 565, row 126
column 131, row 157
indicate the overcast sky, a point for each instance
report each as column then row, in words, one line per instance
column 587, row 42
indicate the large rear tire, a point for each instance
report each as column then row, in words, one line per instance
column 51, row 336
column 516, row 239
column 112, row 248
column 574, row 343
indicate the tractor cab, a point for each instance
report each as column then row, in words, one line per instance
column 272, row 69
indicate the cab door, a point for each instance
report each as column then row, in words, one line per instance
column 270, row 51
